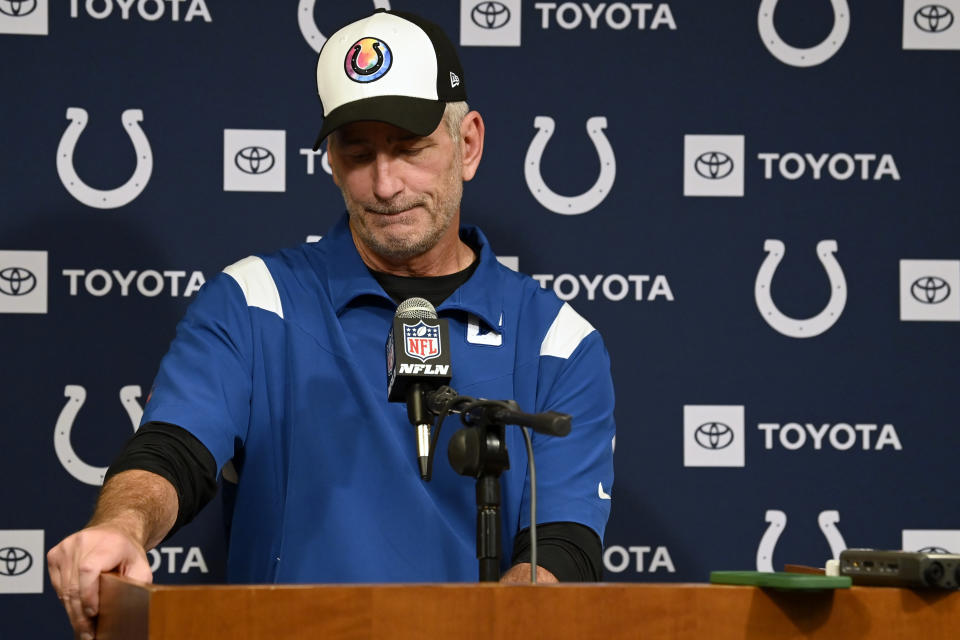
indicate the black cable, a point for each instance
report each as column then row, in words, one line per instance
column 569, row 550
column 469, row 406
column 533, row 506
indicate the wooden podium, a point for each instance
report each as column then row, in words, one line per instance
column 134, row 611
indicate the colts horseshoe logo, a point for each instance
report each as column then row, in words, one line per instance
column 97, row 198
column 309, row 28
column 811, row 326
column 586, row 201
column 812, row 56
column 76, row 396
column 778, row 521
column 367, row 60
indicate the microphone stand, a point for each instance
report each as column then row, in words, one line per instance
column 480, row 451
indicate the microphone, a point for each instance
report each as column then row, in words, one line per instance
column 418, row 361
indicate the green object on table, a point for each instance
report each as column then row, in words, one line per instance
column 780, row 580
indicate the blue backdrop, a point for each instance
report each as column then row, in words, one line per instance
column 651, row 162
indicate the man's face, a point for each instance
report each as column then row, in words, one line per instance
column 402, row 191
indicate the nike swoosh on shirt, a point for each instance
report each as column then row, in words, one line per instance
column 600, row 492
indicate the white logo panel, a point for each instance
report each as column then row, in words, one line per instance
column 932, row 540
column 510, row 262
column 930, row 290
column 931, row 25
column 713, row 165
column 21, row 561
column 23, row 281
column 713, row 436
column 254, row 160
column 24, row 17
column 485, row 23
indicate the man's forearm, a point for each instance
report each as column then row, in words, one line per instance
column 142, row 503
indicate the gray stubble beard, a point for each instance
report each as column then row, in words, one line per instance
column 397, row 249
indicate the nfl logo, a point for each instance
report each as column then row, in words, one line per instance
column 421, row 341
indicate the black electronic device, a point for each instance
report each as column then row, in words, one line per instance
column 418, row 349
column 911, row 569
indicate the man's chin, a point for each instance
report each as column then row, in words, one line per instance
column 399, row 236
column 399, row 245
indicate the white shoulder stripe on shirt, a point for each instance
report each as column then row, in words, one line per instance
column 569, row 328
column 257, row 284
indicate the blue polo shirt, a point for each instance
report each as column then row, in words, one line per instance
column 279, row 364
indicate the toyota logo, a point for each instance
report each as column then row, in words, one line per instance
column 932, row 550
column 713, row 165
column 17, row 281
column 933, row 18
column 490, row 15
column 15, row 561
column 930, row 290
column 254, row 160
column 17, row 8
column 713, row 435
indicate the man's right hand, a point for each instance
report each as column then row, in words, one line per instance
column 76, row 563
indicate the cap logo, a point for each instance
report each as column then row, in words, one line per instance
column 454, row 80
column 367, row 60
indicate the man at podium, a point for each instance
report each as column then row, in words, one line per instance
column 278, row 369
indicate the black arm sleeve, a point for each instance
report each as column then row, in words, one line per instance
column 569, row 550
column 175, row 454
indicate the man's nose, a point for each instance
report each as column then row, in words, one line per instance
column 386, row 178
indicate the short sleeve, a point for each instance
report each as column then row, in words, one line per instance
column 575, row 472
column 204, row 381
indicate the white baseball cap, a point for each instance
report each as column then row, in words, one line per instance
column 392, row 67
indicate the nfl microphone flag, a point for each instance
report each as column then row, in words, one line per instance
column 416, row 353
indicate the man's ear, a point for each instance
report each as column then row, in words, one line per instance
column 471, row 147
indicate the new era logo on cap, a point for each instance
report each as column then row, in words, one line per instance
column 454, row 80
